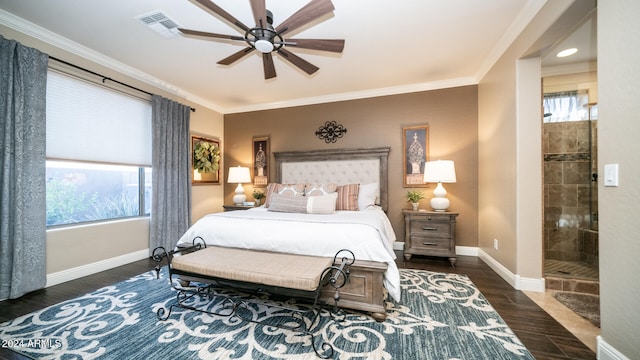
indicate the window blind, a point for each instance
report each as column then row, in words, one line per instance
column 89, row 122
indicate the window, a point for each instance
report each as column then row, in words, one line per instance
column 82, row 192
column 98, row 152
column 567, row 106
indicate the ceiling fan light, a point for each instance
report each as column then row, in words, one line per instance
column 264, row 46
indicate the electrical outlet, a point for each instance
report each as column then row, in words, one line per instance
column 495, row 244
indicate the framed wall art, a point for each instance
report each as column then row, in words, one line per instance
column 415, row 147
column 206, row 154
column 260, row 161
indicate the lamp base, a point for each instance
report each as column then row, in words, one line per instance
column 239, row 197
column 439, row 202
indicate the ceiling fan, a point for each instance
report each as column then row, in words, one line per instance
column 267, row 39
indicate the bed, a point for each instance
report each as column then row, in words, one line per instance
column 277, row 226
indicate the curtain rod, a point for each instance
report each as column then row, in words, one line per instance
column 105, row 78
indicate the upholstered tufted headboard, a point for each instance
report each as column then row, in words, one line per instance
column 340, row 166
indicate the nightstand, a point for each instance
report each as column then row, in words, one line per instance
column 430, row 233
column 236, row 207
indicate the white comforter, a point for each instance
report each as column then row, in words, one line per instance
column 367, row 233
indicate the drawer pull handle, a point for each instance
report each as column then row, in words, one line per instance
column 429, row 244
column 430, row 228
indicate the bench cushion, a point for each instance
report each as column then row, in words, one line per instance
column 261, row 267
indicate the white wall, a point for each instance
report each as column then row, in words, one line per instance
column 510, row 163
column 618, row 132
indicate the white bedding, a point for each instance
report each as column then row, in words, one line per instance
column 367, row 233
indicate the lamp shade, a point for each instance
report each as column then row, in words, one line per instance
column 238, row 175
column 439, row 171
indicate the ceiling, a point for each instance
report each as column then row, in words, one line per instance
column 390, row 46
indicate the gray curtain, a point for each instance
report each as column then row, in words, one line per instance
column 23, row 217
column 171, row 181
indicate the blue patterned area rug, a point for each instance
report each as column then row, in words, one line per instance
column 441, row 316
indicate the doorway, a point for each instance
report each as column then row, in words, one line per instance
column 570, row 176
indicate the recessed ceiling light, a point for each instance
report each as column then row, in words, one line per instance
column 567, row 52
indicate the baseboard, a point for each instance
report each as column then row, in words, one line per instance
column 608, row 352
column 531, row 284
column 466, row 250
column 460, row 250
column 96, row 267
column 502, row 271
column 516, row 281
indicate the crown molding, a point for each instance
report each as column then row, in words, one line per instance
column 356, row 95
column 524, row 18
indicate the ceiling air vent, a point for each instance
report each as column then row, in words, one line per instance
column 160, row 23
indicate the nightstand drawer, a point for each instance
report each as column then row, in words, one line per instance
column 431, row 228
column 431, row 244
column 436, row 217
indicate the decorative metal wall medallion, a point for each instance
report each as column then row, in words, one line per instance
column 331, row 131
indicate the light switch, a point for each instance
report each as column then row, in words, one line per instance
column 611, row 175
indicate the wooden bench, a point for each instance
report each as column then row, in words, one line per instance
column 258, row 267
column 364, row 292
column 276, row 273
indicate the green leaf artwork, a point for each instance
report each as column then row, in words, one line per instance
column 206, row 157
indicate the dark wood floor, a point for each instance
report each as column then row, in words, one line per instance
column 540, row 333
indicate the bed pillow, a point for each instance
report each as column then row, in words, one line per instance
column 287, row 203
column 347, row 197
column 283, row 189
column 367, row 195
column 291, row 189
column 321, row 204
column 320, row 189
column 272, row 188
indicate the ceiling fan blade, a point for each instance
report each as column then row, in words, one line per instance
column 259, row 12
column 313, row 10
column 236, row 56
column 210, row 35
column 303, row 64
column 318, row 44
column 225, row 15
column 269, row 67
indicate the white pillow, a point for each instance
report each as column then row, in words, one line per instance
column 367, row 195
column 322, row 204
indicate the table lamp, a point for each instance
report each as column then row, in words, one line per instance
column 439, row 171
column 239, row 175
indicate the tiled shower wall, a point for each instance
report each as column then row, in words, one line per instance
column 570, row 195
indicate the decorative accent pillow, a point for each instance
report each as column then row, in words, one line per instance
column 287, row 203
column 291, row 189
column 367, row 195
column 347, row 197
column 271, row 189
column 284, row 189
column 323, row 204
column 320, row 189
